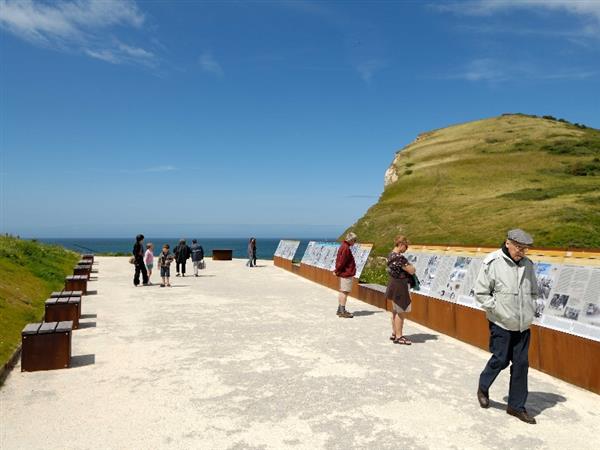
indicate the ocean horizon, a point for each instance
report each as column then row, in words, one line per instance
column 265, row 246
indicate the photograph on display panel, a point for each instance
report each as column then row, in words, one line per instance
column 456, row 278
column 361, row 254
column 590, row 312
column 566, row 300
column 308, row 256
column 429, row 272
column 441, row 282
column 287, row 249
column 546, row 275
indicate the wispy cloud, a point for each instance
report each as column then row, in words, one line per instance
column 587, row 10
column 209, row 64
column 488, row 7
column 368, row 68
column 158, row 169
column 497, row 71
column 357, row 196
column 77, row 26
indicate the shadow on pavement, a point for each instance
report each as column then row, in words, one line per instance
column 88, row 316
column 420, row 338
column 87, row 325
column 83, row 360
column 365, row 313
column 91, row 292
column 538, row 402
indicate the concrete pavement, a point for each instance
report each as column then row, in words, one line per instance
column 256, row 358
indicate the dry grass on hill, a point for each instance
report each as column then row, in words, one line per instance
column 469, row 183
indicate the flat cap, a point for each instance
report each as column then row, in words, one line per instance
column 520, row 236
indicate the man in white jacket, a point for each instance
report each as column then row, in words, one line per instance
column 507, row 290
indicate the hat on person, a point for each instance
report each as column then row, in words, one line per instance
column 520, row 236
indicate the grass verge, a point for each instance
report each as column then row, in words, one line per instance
column 30, row 271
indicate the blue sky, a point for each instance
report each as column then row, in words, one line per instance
column 266, row 118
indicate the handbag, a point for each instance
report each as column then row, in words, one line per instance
column 202, row 264
column 132, row 260
column 414, row 282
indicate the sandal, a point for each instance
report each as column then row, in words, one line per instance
column 402, row 340
column 393, row 337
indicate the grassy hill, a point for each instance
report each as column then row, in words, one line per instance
column 30, row 271
column 469, row 183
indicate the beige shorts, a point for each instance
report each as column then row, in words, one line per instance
column 345, row 284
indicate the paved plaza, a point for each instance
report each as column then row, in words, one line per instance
column 256, row 358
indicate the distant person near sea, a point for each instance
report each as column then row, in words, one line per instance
column 345, row 269
column 182, row 253
column 149, row 259
column 507, row 289
column 164, row 262
column 251, row 253
column 197, row 256
column 140, row 266
column 401, row 272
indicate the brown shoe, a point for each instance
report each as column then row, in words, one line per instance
column 345, row 315
column 521, row 415
column 484, row 398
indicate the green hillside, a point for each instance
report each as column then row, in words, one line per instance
column 30, row 271
column 468, row 184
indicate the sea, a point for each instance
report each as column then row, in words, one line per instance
column 265, row 248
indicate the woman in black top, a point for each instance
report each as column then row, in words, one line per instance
column 138, row 255
column 400, row 270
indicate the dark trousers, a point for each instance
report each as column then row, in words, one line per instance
column 182, row 264
column 507, row 346
column 140, row 267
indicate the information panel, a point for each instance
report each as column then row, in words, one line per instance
column 569, row 290
column 287, row 249
column 323, row 255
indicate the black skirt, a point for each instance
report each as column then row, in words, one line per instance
column 397, row 291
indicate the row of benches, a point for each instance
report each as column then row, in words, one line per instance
column 47, row 345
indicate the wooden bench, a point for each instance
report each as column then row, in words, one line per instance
column 88, row 257
column 46, row 346
column 76, row 283
column 222, row 255
column 83, row 269
column 58, row 294
column 60, row 309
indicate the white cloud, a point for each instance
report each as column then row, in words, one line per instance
column 210, row 65
column 76, row 25
column 497, row 71
column 587, row 10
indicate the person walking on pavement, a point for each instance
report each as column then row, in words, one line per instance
column 507, row 290
column 197, row 256
column 140, row 265
column 182, row 253
column 345, row 269
column 251, row 253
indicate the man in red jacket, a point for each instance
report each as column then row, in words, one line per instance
column 345, row 269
